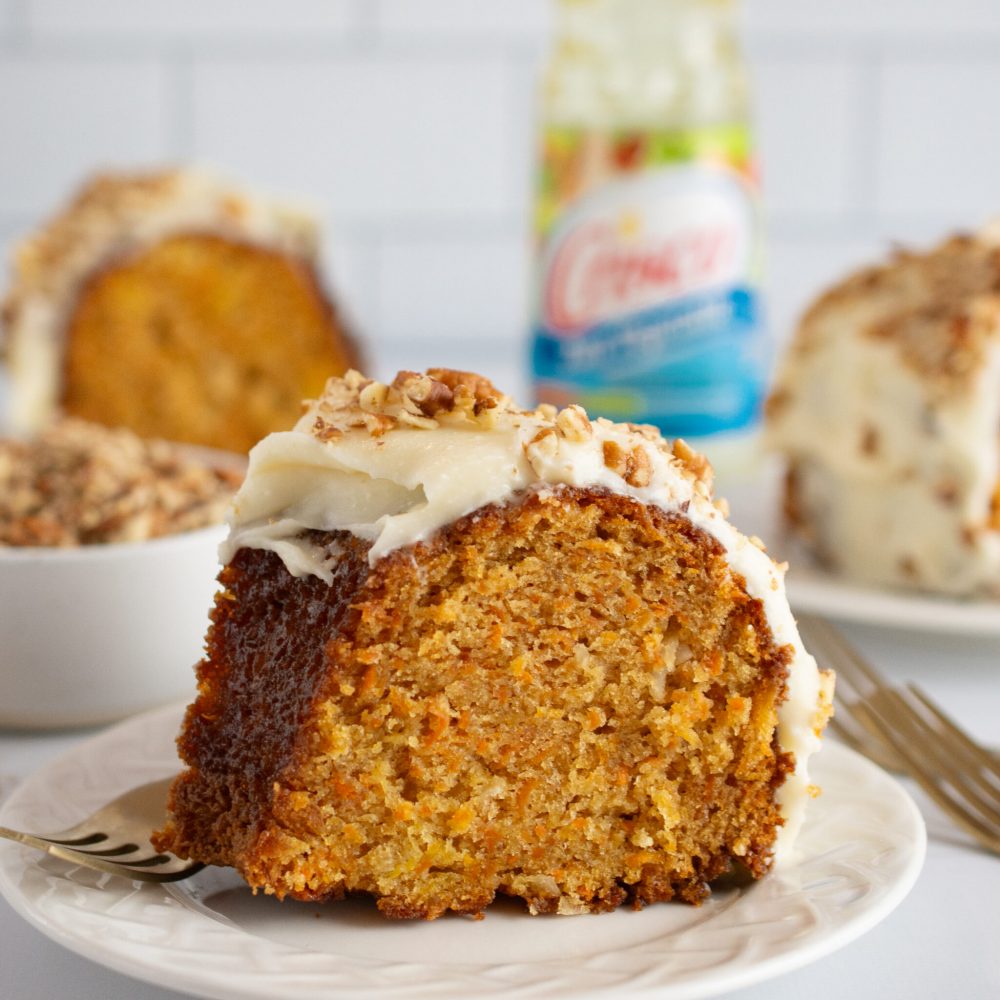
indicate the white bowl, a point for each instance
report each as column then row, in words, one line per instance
column 95, row 633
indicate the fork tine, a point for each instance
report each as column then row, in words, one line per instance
column 985, row 759
column 942, row 751
column 108, row 852
column 962, row 761
column 962, row 792
column 847, row 660
column 114, row 838
column 983, row 834
column 832, row 650
column 94, row 838
column 858, row 738
column 152, row 862
column 127, row 871
column 823, row 635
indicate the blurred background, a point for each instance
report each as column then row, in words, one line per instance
column 410, row 125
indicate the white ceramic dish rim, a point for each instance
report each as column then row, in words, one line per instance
column 306, row 970
column 109, row 550
column 821, row 593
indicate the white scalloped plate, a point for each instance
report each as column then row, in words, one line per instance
column 859, row 853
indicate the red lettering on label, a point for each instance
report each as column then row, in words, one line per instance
column 596, row 274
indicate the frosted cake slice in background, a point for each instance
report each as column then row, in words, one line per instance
column 175, row 304
column 887, row 410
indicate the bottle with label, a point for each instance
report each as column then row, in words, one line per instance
column 648, row 268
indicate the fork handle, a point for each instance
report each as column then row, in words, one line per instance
column 25, row 838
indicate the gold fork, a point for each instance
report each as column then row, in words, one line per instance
column 960, row 775
column 115, row 839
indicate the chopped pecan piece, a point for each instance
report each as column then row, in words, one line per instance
column 427, row 394
column 572, row 424
column 632, row 465
column 696, row 464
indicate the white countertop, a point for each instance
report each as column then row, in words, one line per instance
column 942, row 942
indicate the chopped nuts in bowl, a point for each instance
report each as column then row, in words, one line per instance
column 107, row 571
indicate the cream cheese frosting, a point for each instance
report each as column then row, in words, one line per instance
column 887, row 406
column 115, row 215
column 393, row 464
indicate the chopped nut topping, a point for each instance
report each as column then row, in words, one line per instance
column 615, row 457
column 542, row 435
column 940, row 309
column 378, row 424
column 776, row 402
column 542, row 447
column 442, row 397
column 947, row 492
column 633, row 466
column 410, row 400
column 426, row 394
column 573, row 424
column 869, row 441
column 372, row 397
column 647, row 431
column 697, row 465
column 82, row 484
column 482, row 392
column 324, row 431
column 354, row 380
column 640, row 468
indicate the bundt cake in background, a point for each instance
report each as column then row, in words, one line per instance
column 464, row 649
column 887, row 409
column 175, row 305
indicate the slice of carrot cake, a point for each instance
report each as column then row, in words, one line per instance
column 174, row 304
column 464, row 649
column 887, row 411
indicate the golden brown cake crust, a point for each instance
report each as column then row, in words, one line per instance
column 570, row 699
column 175, row 304
column 201, row 338
column 105, row 211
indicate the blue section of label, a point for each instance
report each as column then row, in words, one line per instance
column 694, row 366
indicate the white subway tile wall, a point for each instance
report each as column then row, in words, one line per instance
column 408, row 123
column 429, row 287
column 939, row 126
column 198, row 21
column 526, row 21
column 379, row 139
column 881, row 19
column 62, row 115
column 807, row 129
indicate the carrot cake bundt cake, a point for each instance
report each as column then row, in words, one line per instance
column 172, row 304
column 887, row 409
column 464, row 649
